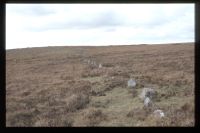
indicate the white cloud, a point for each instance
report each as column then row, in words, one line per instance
column 34, row 25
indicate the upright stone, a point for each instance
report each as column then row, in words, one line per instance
column 100, row 66
column 147, row 102
column 131, row 83
column 147, row 92
column 159, row 113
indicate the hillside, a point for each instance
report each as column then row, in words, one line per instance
column 67, row 86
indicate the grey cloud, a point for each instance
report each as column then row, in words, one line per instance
column 108, row 19
column 110, row 29
column 160, row 18
column 30, row 9
column 104, row 19
column 39, row 11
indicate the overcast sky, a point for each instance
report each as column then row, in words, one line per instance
column 36, row 25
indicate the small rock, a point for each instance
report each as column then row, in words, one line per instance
column 94, row 63
column 147, row 92
column 100, row 66
column 131, row 83
column 147, row 102
column 159, row 113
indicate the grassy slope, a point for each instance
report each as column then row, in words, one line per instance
column 54, row 86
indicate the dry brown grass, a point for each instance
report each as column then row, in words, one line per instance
column 138, row 114
column 94, row 117
column 182, row 116
column 53, row 86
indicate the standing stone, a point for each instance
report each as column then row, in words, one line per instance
column 100, row 66
column 91, row 63
column 159, row 113
column 131, row 83
column 147, row 92
column 147, row 102
column 95, row 64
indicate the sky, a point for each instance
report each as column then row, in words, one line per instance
column 40, row 25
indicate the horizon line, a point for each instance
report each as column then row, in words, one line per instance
column 102, row 45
